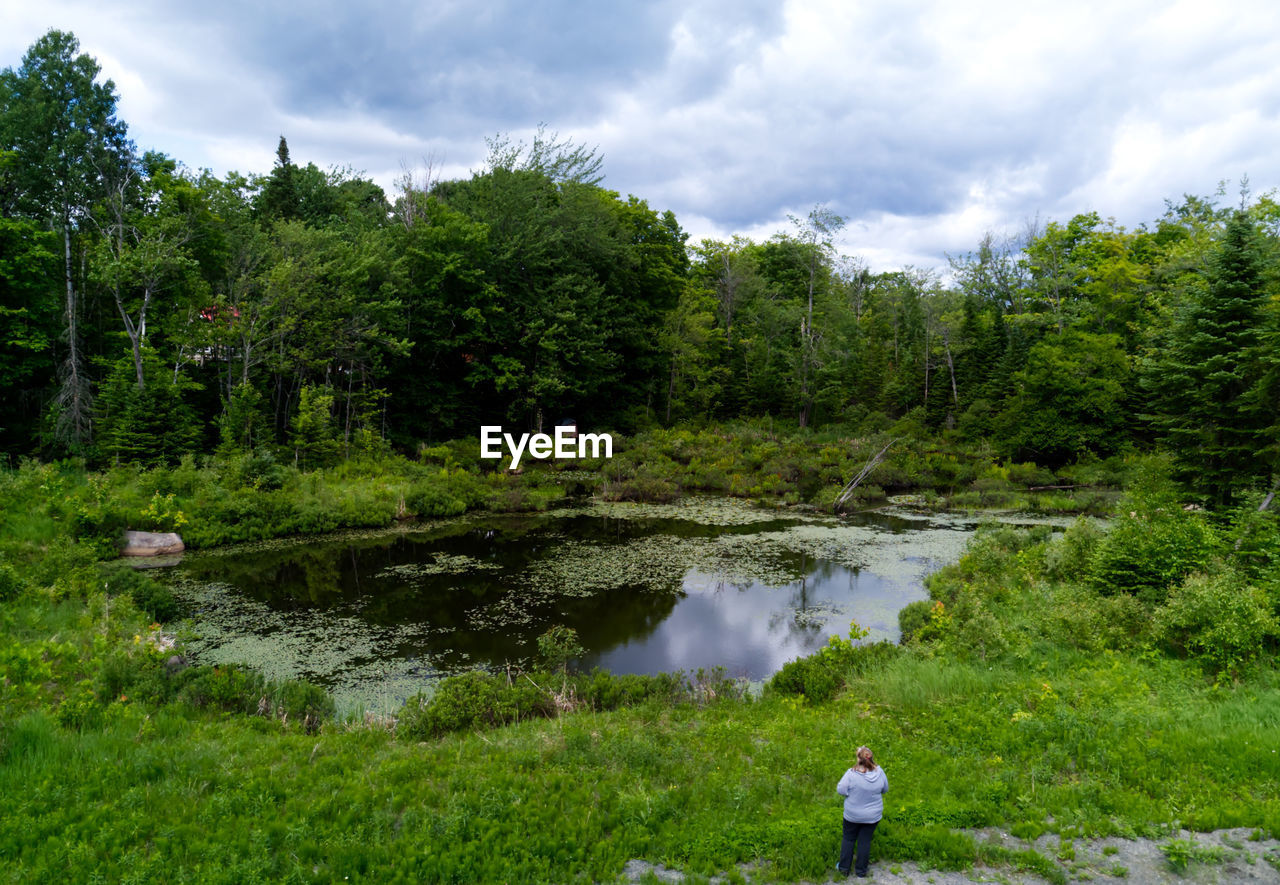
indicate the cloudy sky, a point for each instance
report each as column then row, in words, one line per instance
column 924, row 123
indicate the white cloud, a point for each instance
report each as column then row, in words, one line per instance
column 926, row 123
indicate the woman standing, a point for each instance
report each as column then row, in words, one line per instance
column 863, row 787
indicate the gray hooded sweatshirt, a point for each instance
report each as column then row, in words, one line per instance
column 864, row 795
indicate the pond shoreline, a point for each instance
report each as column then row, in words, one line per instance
column 689, row 553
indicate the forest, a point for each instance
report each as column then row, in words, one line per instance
column 152, row 310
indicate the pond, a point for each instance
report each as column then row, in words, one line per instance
column 376, row 616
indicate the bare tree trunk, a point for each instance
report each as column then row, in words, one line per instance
column 871, row 465
column 1266, row 502
column 951, row 367
column 74, row 423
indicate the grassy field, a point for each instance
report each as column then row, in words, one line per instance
column 1082, row 684
column 1080, row 746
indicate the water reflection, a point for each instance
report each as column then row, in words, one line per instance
column 645, row 594
column 752, row 629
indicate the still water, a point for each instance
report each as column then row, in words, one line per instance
column 702, row 583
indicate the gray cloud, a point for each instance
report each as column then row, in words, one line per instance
column 925, row 123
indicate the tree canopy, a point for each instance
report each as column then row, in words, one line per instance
column 150, row 310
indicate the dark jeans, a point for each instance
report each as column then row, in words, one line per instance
column 859, row 835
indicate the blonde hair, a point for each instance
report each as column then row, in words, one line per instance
column 865, row 759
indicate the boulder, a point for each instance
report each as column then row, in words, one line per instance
column 152, row 544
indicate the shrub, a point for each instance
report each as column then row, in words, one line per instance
column 231, row 689
column 602, row 690
column 470, row 700
column 151, row 597
column 558, row 645
column 1068, row 556
column 814, row 677
column 304, row 701
column 434, row 499
column 1217, row 620
column 646, row 489
column 260, row 470
column 820, row 676
column 1145, row 553
column 11, row 584
column 1028, row 474
column 980, row 633
column 124, row 670
column 914, row 617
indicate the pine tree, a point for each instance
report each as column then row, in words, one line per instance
column 1198, row 383
column 280, row 197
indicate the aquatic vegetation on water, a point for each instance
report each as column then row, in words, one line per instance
column 342, row 651
column 402, row 606
column 702, row 510
column 443, row 564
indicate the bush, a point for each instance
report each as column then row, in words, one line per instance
column 1028, row 474
column 558, row 646
column 11, row 584
column 230, row 689
column 151, row 597
column 644, row 489
column 434, row 498
column 126, row 671
column 1069, row 556
column 820, row 676
column 814, row 677
column 261, row 471
column 1217, row 620
column 602, row 690
column 1145, row 553
column 303, row 701
column 980, row 633
column 913, row 618
column 470, row 700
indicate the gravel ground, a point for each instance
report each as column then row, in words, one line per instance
column 1222, row 856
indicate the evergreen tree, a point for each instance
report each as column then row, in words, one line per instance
column 1199, row 381
column 280, row 197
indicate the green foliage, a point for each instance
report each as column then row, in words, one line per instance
column 1147, row 551
column 1181, row 853
column 151, row 597
column 1070, row 400
column 12, row 584
column 471, row 700
column 557, row 646
column 259, row 470
column 28, row 322
column 151, row 424
column 1218, row 619
column 243, row 425
column 913, row 618
column 819, row 677
column 601, row 690
column 1071, row 555
column 312, row 434
column 1202, row 382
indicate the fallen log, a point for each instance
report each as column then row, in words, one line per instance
column 871, row 465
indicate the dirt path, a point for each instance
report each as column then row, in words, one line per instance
column 1222, row 856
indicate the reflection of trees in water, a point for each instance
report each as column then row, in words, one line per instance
column 488, row 616
column 603, row 621
column 791, row 623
